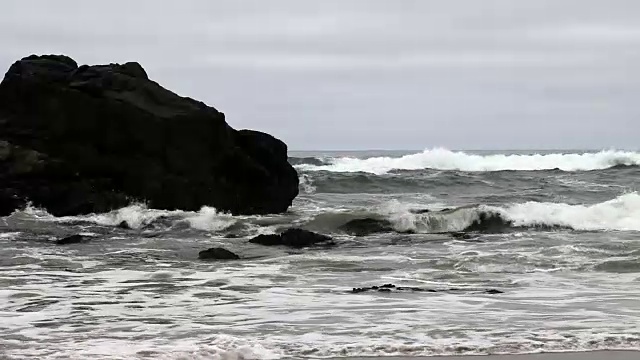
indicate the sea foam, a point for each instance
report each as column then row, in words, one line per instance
column 443, row 159
column 621, row 213
column 137, row 216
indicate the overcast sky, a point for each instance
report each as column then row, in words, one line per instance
column 462, row 74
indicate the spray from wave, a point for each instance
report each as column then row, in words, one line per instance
column 138, row 216
column 306, row 184
column 442, row 159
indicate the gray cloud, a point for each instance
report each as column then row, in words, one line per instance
column 371, row 74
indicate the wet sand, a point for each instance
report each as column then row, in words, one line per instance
column 589, row 355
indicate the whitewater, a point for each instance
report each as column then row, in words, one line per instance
column 555, row 236
column 621, row 213
column 443, row 159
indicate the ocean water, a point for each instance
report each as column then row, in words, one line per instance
column 565, row 255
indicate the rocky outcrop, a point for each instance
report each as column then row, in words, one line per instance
column 80, row 139
column 217, row 254
column 295, row 238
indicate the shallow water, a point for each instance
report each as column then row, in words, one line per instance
column 142, row 293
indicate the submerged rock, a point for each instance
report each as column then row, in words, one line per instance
column 366, row 226
column 462, row 235
column 420, row 211
column 295, row 238
column 394, row 288
column 429, row 211
column 493, row 291
column 124, row 225
column 73, row 239
column 217, row 254
column 82, row 139
column 267, row 240
column 489, row 222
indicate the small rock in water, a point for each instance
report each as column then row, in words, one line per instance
column 489, row 223
column 299, row 238
column 295, row 238
column 124, row 225
column 267, row 240
column 73, row 239
column 366, row 226
column 420, row 211
column 462, row 235
column 494, row 291
column 217, row 254
column 394, row 288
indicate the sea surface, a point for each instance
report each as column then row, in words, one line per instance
column 564, row 255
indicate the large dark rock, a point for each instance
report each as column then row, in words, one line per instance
column 295, row 238
column 217, row 254
column 92, row 138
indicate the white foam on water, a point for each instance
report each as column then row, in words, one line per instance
column 306, row 183
column 621, row 213
column 9, row 235
column 135, row 215
column 218, row 347
column 138, row 215
column 34, row 212
column 297, row 307
column 209, row 219
column 225, row 347
column 443, row 159
column 404, row 219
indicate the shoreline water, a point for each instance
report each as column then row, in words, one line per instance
column 585, row 355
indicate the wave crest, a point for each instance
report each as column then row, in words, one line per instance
column 309, row 160
column 621, row 213
column 138, row 216
column 442, row 159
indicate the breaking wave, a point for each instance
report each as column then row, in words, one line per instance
column 138, row 216
column 621, row 213
column 442, row 159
